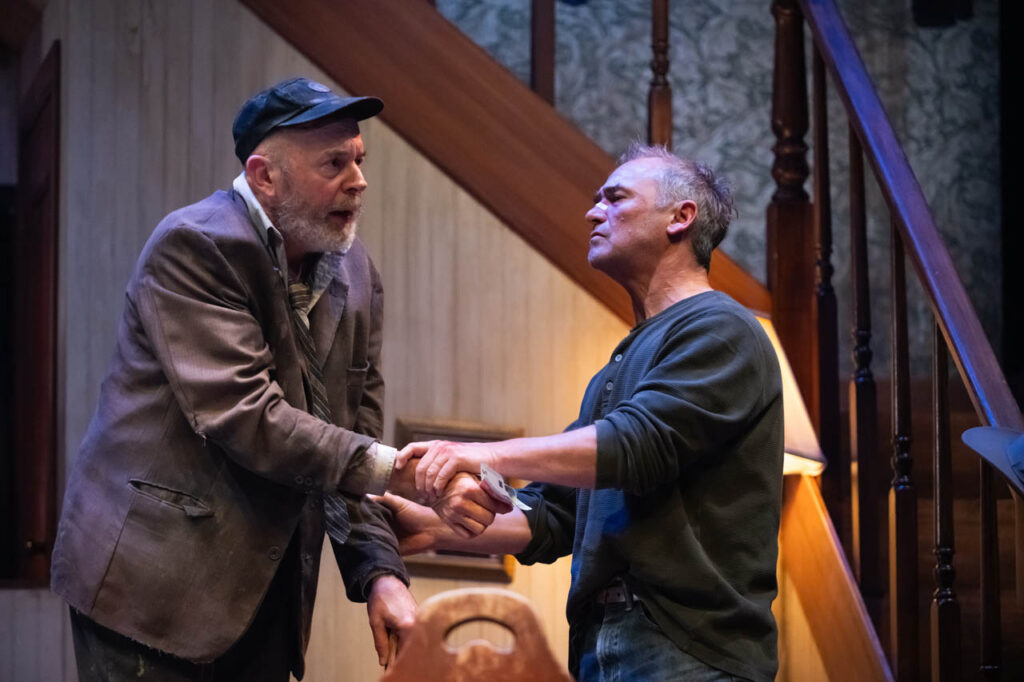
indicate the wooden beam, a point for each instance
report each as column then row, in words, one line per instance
column 812, row 555
column 472, row 118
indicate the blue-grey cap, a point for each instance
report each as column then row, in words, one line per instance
column 289, row 103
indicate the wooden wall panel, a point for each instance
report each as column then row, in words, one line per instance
column 799, row 657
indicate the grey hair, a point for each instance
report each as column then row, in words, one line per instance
column 683, row 179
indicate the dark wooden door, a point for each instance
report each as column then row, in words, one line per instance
column 34, row 322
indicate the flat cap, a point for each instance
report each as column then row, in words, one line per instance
column 289, row 103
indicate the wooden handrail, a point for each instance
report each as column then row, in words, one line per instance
column 966, row 340
column 474, row 119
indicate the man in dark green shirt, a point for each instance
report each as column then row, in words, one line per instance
column 667, row 488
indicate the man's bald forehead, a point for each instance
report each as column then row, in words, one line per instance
column 317, row 133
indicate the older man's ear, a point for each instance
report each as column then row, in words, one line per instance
column 263, row 177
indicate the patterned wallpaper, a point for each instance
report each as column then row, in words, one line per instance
column 939, row 87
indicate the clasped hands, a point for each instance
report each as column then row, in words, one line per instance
column 442, row 475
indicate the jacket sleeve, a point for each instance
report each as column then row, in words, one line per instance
column 196, row 314
column 371, row 549
column 711, row 378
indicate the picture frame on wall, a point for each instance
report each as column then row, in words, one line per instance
column 450, row 564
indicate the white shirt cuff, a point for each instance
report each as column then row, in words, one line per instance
column 382, row 464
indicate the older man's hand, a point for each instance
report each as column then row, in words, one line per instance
column 392, row 610
column 440, row 460
column 466, row 507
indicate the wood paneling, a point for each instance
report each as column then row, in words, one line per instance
column 32, row 639
column 843, row 634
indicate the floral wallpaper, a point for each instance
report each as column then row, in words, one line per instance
column 939, row 87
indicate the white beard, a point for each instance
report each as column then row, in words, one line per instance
column 299, row 225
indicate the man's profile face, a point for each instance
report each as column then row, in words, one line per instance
column 322, row 186
column 628, row 227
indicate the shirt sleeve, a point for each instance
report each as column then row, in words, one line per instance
column 711, row 377
column 552, row 520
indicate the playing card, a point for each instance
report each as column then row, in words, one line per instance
column 499, row 488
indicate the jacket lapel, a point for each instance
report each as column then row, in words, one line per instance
column 327, row 314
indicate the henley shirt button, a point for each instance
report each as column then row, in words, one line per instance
column 618, row 358
column 309, row 482
column 274, row 553
column 608, row 386
column 298, row 480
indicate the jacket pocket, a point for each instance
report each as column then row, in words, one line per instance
column 192, row 506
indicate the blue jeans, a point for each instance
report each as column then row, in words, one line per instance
column 620, row 644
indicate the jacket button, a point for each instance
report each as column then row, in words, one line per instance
column 274, row 553
column 298, row 479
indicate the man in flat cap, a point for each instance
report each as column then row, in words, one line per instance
column 240, row 421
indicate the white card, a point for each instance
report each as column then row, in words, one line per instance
column 499, row 488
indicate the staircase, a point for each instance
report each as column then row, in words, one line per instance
column 873, row 554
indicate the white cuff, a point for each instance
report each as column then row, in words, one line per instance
column 382, row 464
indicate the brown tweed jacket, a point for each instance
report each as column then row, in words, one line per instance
column 193, row 474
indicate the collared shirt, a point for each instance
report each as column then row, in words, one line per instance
column 379, row 461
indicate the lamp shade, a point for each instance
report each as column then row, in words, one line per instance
column 803, row 453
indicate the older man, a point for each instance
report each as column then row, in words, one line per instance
column 240, row 420
column 667, row 488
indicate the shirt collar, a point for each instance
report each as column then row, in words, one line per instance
column 257, row 215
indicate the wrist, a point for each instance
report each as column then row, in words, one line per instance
column 385, row 582
column 502, row 456
column 403, row 480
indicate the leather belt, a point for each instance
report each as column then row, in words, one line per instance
column 616, row 593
